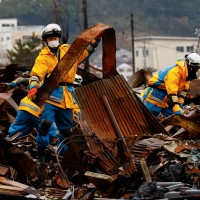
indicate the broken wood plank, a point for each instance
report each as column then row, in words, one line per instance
column 15, row 184
column 10, row 190
column 99, row 180
column 185, row 122
column 145, row 170
column 9, row 182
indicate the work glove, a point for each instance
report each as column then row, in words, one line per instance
column 182, row 95
column 32, row 93
column 12, row 84
column 181, row 101
column 93, row 44
column 175, row 103
column 177, row 110
column 22, row 82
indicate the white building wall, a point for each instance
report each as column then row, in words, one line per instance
column 162, row 51
column 5, row 43
column 8, row 24
column 6, row 28
column 10, row 33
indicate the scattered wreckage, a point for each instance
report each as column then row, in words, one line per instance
column 118, row 149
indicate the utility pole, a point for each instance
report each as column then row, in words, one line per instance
column 59, row 18
column 85, row 17
column 132, row 42
column 144, row 55
column 57, row 12
column 86, row 67
column 197, row 32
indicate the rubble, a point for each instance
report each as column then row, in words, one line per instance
column 165, row 166
column 118, row 149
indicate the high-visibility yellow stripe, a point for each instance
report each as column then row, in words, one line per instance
column 29, row 106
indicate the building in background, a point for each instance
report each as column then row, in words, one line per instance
column 10, row 33
column 125, row 70
column 156, row 52
column 151, row 53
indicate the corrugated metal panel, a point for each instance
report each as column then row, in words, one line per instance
column 139, row 78
column 124, row 105
column 105, row 159
column 143, row 148
column 128, row 112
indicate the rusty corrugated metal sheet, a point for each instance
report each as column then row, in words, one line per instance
column 127, row 112
column 111, row 73
column 138, row 78
column 143, row 148
column 124, row 105
column 105, row 158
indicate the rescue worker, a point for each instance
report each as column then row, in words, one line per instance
column 58, row 109
column 168, row 88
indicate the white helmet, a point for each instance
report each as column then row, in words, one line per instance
column 51, row 30
column 193, row 59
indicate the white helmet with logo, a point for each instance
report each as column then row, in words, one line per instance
column 51, row 30
column 193, row 59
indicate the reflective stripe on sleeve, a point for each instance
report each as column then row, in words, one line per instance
column 29, row 106
column 152, row 97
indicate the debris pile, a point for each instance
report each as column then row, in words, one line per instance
column 117, row 149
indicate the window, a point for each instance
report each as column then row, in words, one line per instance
column 145, row 52
column 5, row 25
column 25, row 38
column 137, row 53
column 124, row 56
column 180, row 49
column 189, row 48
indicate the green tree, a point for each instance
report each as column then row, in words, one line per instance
column 24, row 53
